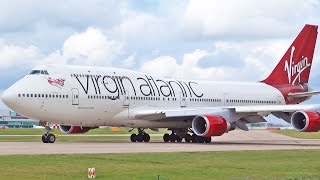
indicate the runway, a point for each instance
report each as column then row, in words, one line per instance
column 232, row 141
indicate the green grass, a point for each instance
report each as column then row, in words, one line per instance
column 297, row 134
column 289, row 164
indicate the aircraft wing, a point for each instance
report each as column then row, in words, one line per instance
column 247, row 114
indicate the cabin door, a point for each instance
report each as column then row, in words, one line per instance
column 182, row 100
column 75, row 96
column 226, row 99
column 126, row 100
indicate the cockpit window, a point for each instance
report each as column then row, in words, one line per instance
column 35, row 72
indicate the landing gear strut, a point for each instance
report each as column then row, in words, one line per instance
column 48, row 137
column 140, row 137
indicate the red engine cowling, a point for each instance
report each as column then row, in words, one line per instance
column 74, row 129
column 210, row 125
column 306, row 121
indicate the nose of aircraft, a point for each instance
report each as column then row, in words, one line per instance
column 8, row 98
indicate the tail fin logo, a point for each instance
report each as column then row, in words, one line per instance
column 294, row 70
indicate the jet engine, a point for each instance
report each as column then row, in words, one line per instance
column 306, row 121
column 74, row 129
column 210, row 125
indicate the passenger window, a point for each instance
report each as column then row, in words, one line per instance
column 27, row 95
column 19, row 95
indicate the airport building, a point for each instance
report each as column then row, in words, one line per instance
column 10, row 119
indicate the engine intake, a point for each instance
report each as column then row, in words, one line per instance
column 210, row 125
column 74, row 129
column 306, row 121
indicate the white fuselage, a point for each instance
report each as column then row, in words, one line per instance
column 96, row 96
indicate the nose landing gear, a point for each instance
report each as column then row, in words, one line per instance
column 48, row 137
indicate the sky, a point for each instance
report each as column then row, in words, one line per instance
column 226, row 40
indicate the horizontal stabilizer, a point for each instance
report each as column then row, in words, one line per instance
column 304, row 94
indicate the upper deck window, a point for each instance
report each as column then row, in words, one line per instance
column 36, row 72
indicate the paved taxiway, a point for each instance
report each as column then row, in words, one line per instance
column 234, row 140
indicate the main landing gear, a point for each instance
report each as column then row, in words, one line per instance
column 140, row 137
column 178, row 134
column 48, row 137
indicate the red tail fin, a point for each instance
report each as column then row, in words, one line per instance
column 294, row 67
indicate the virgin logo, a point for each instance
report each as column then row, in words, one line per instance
column 294, row 70
column 56, row 82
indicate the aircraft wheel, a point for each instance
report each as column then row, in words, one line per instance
column 146, row 137
column 173, row 137
column 194, row 138
column 178, row 138
column 166, row 137
column 140, row 137
column 51, row 138
column 207, row 140
column 201, row 139
column 133, row 138
column 45, row 138
column 188, row 138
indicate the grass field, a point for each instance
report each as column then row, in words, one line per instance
column 297, row 134
column 293, row 164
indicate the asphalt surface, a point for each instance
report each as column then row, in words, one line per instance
column 232, row 141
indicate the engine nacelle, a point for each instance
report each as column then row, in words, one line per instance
column 210, row 125
column 306, row 121
column 74, row 129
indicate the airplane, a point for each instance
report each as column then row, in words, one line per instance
column 81, row 98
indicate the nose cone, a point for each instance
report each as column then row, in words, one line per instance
column 9, row 98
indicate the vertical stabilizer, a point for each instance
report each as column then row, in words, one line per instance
column 294, row 67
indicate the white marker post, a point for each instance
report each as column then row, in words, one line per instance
column 91, row 173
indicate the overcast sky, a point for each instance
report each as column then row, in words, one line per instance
column 212, row 40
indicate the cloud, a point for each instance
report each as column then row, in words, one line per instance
column 14, row 56
column 189, row 69
column 245, row 19
column 91, row 47
column 18, row 15
column 254, row 61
